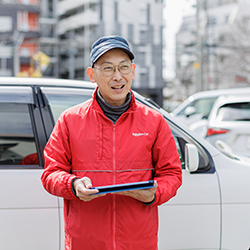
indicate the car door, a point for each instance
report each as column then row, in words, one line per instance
column 192, row 219
column 29, row 216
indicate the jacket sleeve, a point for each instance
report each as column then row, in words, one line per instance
column 57, row 177
column 167, row 165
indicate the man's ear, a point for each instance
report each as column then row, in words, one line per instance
column 90, row 73
column 133, row 71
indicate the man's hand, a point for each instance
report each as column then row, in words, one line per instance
column 143, row 195
column 82, row 187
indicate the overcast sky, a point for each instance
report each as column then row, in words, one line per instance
column 172, row 14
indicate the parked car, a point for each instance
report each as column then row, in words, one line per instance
column 195, row 110
column 210, row 211
column 229, row 121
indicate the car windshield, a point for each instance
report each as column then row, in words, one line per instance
column 201, row 106
column 234, row 112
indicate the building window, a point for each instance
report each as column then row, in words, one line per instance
column 142, row 57
column 28, row 2
column 28, row 48
column 92, row 29
column 144, row 79
column 33, row 22
column 93, row 6
column 143, row 36
column 5, row 23
column 22, row 21
column 27, row 21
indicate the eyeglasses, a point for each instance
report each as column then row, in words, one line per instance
column 108, row 69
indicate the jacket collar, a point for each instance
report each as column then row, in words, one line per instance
column 96, row 106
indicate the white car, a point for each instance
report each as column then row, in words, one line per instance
column 195, row 110
column 229, row 121
column 210, row 211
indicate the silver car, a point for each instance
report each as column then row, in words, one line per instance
column 195, row 110
column 229, row 122
column 210, row 211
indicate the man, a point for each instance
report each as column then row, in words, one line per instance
column 111, row 139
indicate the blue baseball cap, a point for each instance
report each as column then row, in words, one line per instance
column 106, row 43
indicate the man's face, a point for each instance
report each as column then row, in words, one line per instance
column 113, row 88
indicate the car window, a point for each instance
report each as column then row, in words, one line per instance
column 179, row 151
column 181, row 139
column 17, row 142
column 201, row 106
column 234, row 112
column 61, row 99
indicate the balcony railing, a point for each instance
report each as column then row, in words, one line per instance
column 89, row 17
column 68, row 5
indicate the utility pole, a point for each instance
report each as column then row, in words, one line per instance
column 56, row 48
column 207, row 42
column 72, row 55
column 17, row 41
column 86, row 47
column 3, row 66
column 3, row 59
column 197, row 64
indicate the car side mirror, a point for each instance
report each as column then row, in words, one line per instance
column 191, row 157
column 190, row 111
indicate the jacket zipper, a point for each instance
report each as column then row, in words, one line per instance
column 114, row 200
column 101, row 141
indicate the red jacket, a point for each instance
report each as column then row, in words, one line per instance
column 138, row 147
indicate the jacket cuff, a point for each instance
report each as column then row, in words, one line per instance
column 151, row 202
column 72, row 187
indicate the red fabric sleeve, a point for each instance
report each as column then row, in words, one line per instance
column 56, row 177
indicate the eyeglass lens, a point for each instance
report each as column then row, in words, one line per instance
column 109, row 69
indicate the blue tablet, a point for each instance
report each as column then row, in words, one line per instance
column 124, row 187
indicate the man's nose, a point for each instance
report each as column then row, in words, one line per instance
column 117, row 74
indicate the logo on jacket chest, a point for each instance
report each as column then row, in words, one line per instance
column 140, row 134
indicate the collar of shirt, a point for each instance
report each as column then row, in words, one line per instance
column 113, row 112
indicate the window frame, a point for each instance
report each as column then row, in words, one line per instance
column 11, row 94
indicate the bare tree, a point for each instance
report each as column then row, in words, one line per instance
column 233, row 52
